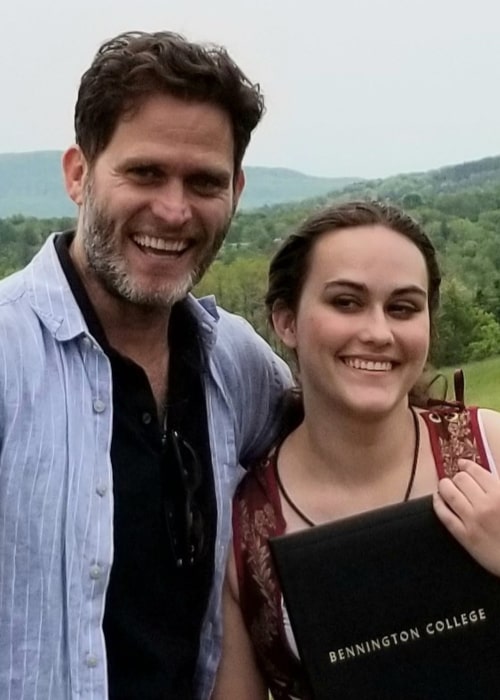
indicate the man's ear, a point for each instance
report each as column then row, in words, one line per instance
column 75, row 169
column 284, row 325
column 239, row 184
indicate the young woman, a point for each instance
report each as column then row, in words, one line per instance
column 353, row 293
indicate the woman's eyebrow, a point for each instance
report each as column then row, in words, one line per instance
column 361, row 287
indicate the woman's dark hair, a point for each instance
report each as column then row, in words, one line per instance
column 290, row 264
column 136, row 65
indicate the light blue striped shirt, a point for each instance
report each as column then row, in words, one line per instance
column 56, row 491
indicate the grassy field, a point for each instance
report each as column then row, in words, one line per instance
column 482, row 383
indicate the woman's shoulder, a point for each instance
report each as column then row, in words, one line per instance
column 490, row 421
column 259, row 474
column 257, row 506
column 258, row 486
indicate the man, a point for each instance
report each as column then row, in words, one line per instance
column 127, row 406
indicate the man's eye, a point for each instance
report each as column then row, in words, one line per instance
column 204, row 184
column 145, row 172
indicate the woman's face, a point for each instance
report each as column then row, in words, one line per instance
column 361, row 330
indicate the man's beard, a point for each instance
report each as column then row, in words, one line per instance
column 101, row 243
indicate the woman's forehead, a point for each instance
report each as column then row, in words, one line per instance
column 368, row 251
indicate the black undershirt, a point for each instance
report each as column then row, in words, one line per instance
column 154, row 609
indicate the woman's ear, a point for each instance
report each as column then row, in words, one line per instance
column 284, row 325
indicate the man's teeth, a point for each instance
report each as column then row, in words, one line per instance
column 370, row 365
column 168, row 244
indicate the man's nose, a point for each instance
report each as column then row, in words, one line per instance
column 170, row 204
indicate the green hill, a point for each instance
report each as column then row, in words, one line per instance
column 459, row 207
column 458, row 204
column 476, row 174
column 268, row 186
column 31, row 184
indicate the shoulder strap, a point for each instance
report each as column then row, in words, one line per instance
column 449, row 404
column 257, row 517
column 455, row 433
column 459, row 385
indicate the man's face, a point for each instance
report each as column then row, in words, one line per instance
column 156, row 204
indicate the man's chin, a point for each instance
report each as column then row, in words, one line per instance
column 163, row 298
column 141, row 289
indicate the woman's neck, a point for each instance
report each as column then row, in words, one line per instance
column 348, row 463
column 354, row 446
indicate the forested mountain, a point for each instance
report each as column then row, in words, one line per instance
column 452, row 178
column 456, row 203
column 459, row 207
column 31, row 185
column 268, row 186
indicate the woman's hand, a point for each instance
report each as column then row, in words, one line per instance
column 468, row 505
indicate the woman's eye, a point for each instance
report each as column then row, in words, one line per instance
column 403, row 310
column 346, row 303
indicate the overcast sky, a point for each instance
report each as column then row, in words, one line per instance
column 359, row 87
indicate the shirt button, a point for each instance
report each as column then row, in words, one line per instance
column 95, row 572
column 147, row 418
column 99, row 406
column 101, row 490
column 91, row 661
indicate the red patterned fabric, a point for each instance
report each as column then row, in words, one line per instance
column 454, row 433
column 257, row 516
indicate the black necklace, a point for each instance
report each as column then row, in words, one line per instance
column 409, row 486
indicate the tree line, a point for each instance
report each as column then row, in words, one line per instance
column 460, row 213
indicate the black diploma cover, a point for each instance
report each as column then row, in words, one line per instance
column 386, row 605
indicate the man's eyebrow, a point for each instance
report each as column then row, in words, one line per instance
column 134, row 161
column 215, row 171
